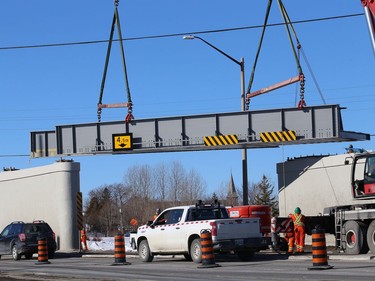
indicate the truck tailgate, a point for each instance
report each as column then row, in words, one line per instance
column 238, row 228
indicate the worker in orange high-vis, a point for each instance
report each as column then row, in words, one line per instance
column 289, row 237
column 299, row 229
column 84, row 240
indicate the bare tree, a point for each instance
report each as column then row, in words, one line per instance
column 161, row 181
column 139, row 179
column 176, row 180
column 143, row 190
column 253, row 191
column 121, row 196
column 194, row 188
column 221, row 192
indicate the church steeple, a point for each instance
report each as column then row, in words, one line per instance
column 232, row 197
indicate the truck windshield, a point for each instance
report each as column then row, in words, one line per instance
column 370, row 170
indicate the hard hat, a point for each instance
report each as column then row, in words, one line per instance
column 297, row 210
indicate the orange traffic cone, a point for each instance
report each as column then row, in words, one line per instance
column 319, row 250
column 208, row 258
column 120, row 254
column 42, row 251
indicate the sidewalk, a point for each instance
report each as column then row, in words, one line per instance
column 333, row 255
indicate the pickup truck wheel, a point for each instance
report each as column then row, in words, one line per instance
column 196, row 251
column 371, row 236
column 15, row 255
column 144, row 252
column 187, row 257
column 355, row 238
column 246, row 256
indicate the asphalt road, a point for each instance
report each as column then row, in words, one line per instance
column 265, row 266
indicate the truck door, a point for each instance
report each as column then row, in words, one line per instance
column 167, row 232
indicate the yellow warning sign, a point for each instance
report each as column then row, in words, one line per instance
column 220, row 140
column 280, row 136
column 122, row 141
column 79, row 211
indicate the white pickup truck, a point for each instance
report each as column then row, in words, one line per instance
column 176, row 231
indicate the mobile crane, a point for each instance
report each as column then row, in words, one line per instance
column 336, row 193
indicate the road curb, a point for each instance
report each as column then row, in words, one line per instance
column 108, row 254
column 341, row 257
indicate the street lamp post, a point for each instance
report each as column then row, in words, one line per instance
column 121, row 218
column 241, row 63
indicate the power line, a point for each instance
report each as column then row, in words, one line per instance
column 174, row 34
column 14, row 155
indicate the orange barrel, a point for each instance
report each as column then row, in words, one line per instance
column 120, row 253
column 319, row 250
column 42, row 251
column 208, row 258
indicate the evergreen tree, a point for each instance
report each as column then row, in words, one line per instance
column 264, row 195
column 214, row 197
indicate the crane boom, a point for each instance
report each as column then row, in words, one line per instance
column 369, row 6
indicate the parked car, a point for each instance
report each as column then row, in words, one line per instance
column 20, row 238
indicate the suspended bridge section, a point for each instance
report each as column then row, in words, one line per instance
column 231, row 130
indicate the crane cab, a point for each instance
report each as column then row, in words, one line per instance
column 363, row 176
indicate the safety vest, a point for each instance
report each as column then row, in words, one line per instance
column 298, row 220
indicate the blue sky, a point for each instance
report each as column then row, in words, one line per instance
column 44, row 87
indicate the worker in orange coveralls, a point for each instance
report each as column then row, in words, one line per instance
column 84, row 240
column 299, row 229
column 289, row 237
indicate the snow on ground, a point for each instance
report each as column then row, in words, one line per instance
column 106, row 244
